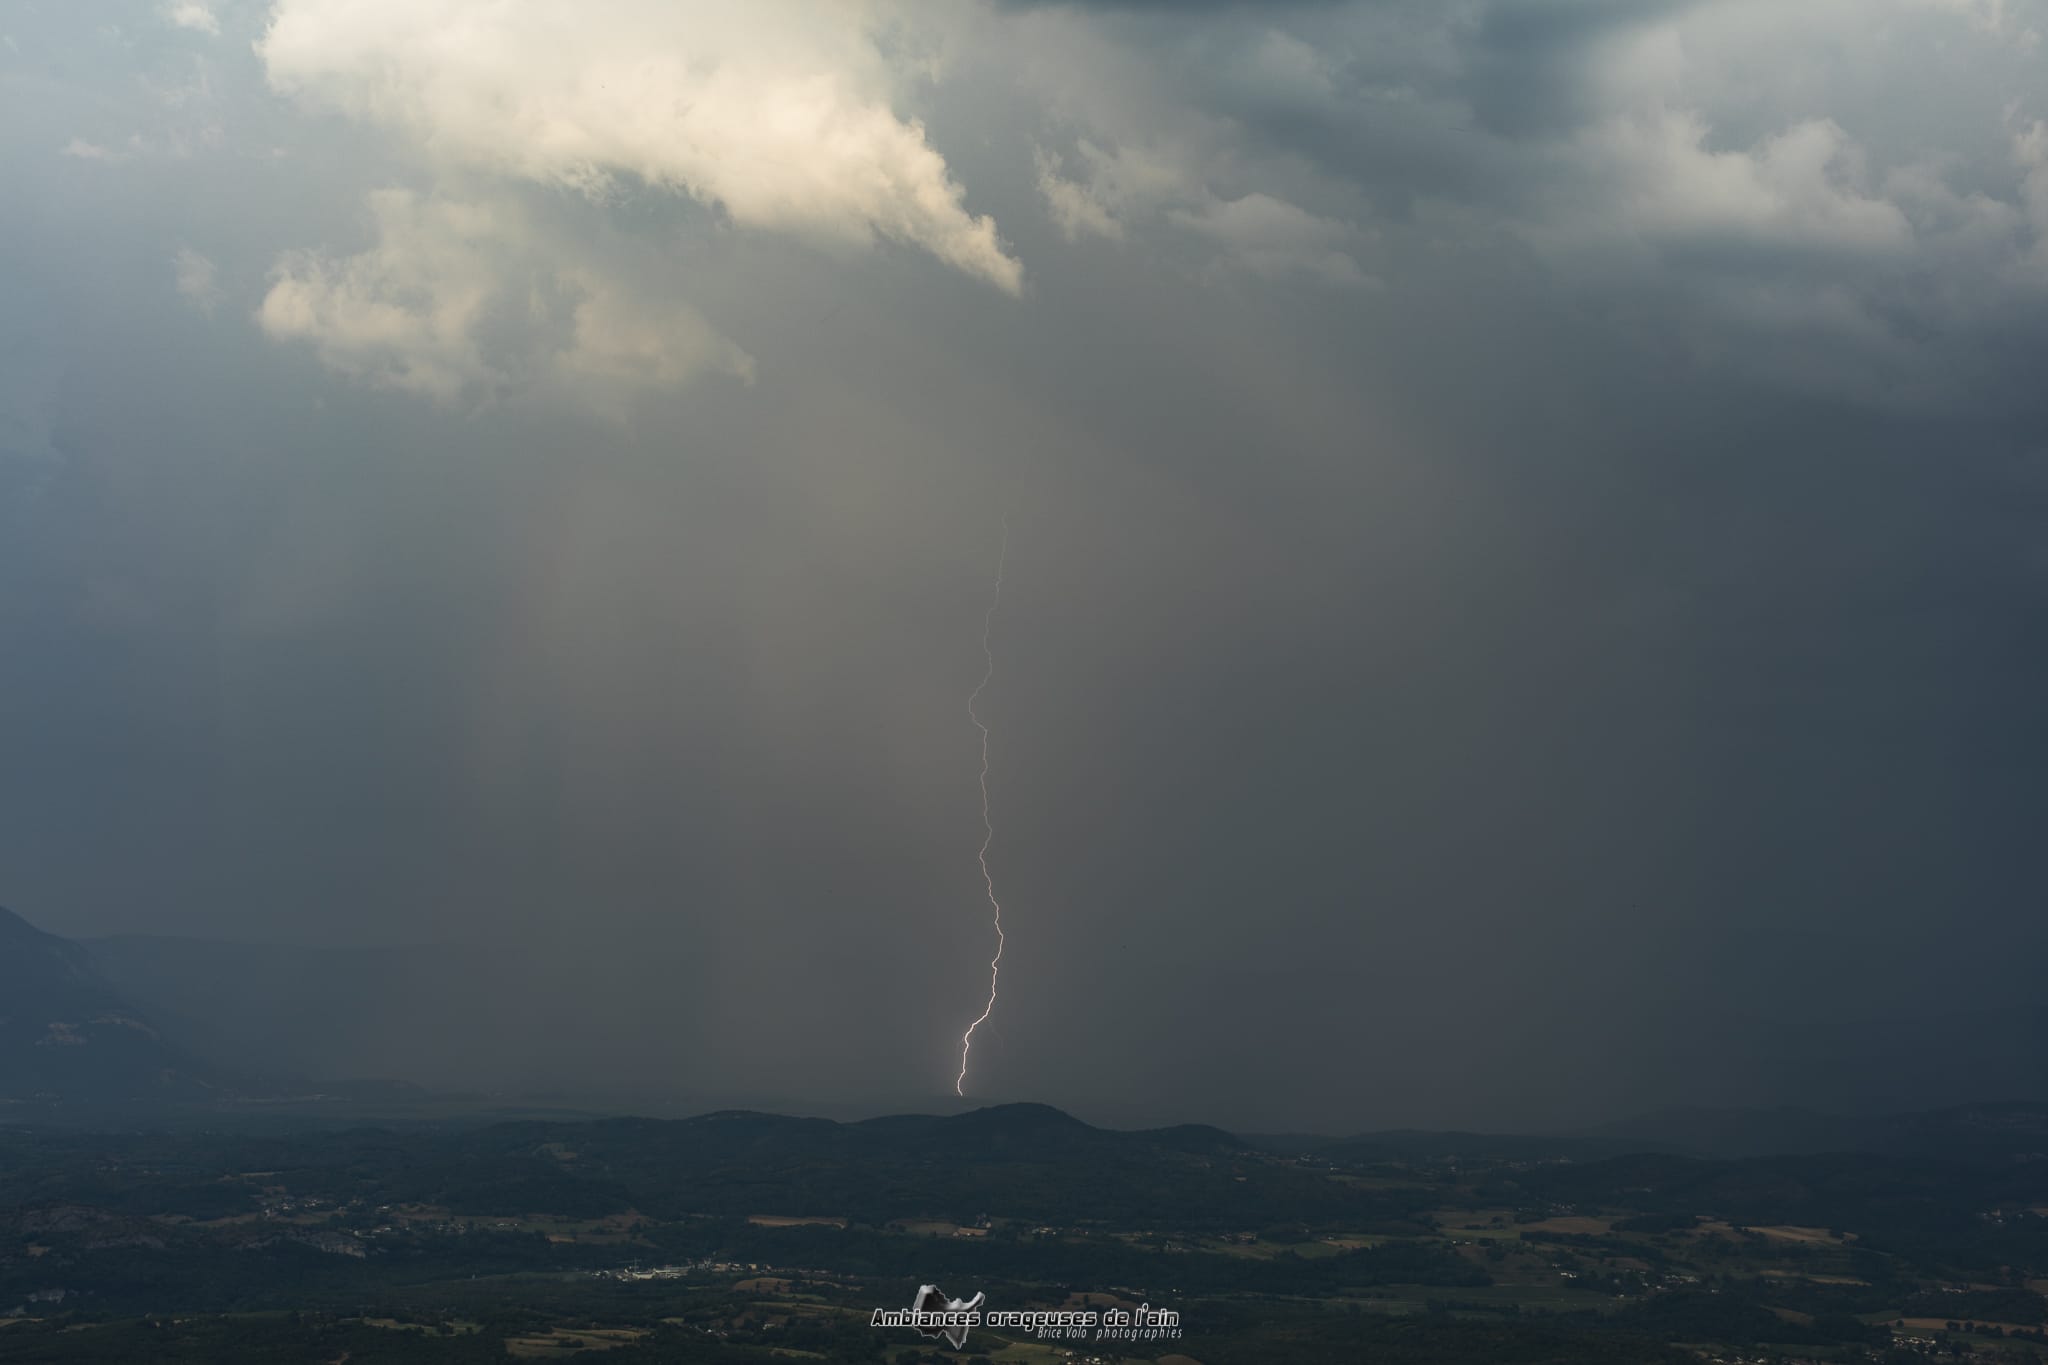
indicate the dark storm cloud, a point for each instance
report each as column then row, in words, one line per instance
column 1522, row 597
column 1527, row 73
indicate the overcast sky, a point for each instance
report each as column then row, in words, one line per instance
column 1526, row 586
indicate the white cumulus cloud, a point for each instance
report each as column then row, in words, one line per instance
column 197, row 279
column 780, row 113
column 196, row 15
column 1654, row 176
column 1271, row 237
column 1111, row 188
column 85, row 150
column 415, row 311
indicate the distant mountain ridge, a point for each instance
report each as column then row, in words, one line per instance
column 2009, row 1128
column 270, row 1009
column 1997, row 1131
column 67, row 1035
column 127, row 1020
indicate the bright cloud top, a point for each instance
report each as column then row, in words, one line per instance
column 779, row 113
column 1860, row 177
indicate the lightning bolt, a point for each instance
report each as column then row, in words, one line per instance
column 988, row 829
